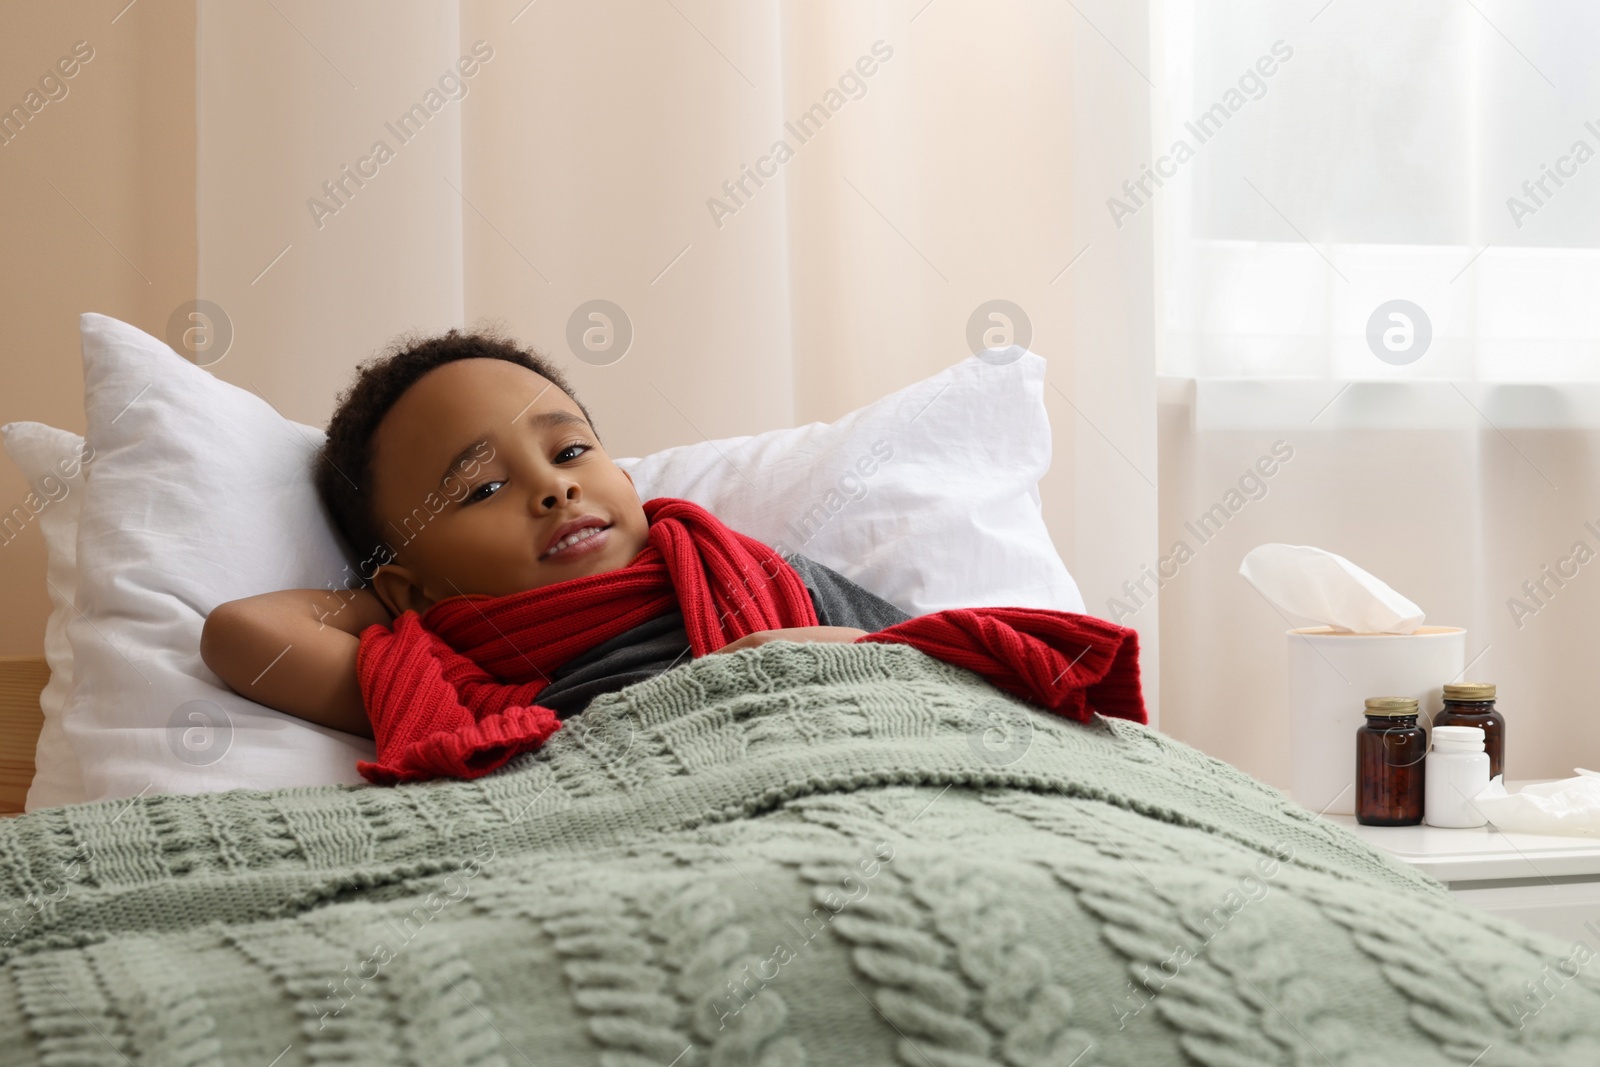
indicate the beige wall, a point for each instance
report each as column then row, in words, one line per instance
column 120, row 146
column 290, row 93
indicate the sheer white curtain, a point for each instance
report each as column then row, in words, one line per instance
column 959, row 156
column 1442, row 152
column 1378, row 253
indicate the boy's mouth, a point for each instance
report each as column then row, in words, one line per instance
column 578, row 537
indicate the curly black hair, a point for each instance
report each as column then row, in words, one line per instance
column 343, row 467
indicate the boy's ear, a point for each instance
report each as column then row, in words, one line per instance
column 395, row 588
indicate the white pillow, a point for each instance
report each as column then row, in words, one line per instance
column 928, row 497
column 55, row 464
column 200, row 493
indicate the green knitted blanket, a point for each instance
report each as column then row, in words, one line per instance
column 799, row 853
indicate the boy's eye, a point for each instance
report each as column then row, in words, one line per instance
column 580, row 447
column 479, row 494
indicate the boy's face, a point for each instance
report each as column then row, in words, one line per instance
column 513, row 462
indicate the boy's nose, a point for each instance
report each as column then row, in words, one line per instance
column 570, row 491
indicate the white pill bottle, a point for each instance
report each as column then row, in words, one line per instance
column 1457, row 769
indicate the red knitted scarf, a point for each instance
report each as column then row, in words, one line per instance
column 452, row 692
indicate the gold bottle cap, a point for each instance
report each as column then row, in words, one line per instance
column 1391, row 705
column 1469, row 691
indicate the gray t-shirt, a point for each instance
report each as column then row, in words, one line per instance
column 662, row 642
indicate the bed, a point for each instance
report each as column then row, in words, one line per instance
column 796, row 853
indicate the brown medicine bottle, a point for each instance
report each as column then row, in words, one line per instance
column 1472, row 704
column 1390, row 750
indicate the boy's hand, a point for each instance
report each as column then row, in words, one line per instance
column 841, row 634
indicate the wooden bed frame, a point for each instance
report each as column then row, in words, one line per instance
column 22, row 678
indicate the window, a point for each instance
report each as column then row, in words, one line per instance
column 1317, row 162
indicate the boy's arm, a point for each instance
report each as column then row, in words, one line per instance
column 295, row 651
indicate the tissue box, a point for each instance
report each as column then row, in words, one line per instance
column 1331, row 674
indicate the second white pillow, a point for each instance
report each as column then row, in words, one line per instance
column 928, row 497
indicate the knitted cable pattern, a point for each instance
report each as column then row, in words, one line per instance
column 1020, row 1015
column 70, row 1014
column 656, row 978
column 1252, row 987
column 616, row 979
column 1457, row 987
column 1029, row 1012
column 711, row 952
column 799, row 853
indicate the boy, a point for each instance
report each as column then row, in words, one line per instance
column 531, row 498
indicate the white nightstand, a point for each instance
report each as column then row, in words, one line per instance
column 1549, row 883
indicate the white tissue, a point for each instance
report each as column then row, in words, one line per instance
column 1568, row 806
column 1328, row 589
